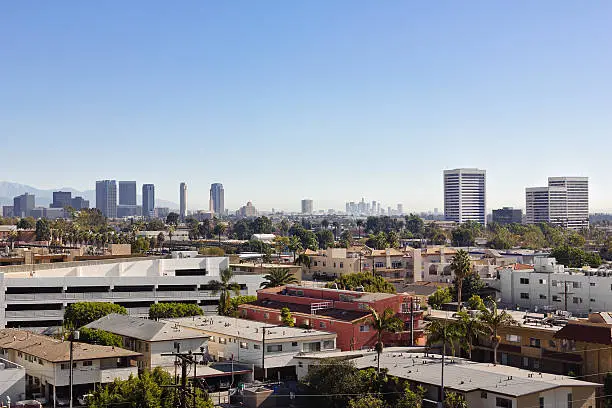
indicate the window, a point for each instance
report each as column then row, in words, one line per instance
column 552, row 344
column 306, row 322
column 534, row 342
column 542, row 297
column 577, row 300
column 300, row 364
column 266, row 315
column 310, row 347
column 379, row 264
column 524, row 295
column 569, row 400
column 341, row 265
column 212, row 338
column 316, row 263
column 323, row 263
column 556, row 298
column 334, row 264
column 541, row 402
column 364, row 328
column 301, row 292
column 222, row 340
column 244, row 345
column 274, row 348
column 483, row 394
column 322, row 325
column 525, row 361
column 328, row 345
column 256, row 347
column 513, row 338
column 524, row 281
column 553, row 283
column 294, row 344
column 592, row 283
column 503, row 402
column 542, row 281
column 40, row 361
column 87, row 363
column 592, row 300
column 576, row 285
column 536, row 364
column 64, row 366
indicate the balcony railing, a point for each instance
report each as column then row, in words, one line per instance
column 34, row 314
column 29, row 297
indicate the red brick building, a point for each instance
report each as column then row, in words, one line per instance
column 343, row 312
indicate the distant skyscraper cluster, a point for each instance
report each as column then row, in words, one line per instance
column 124, row 204
column 374, row 208
column 565, row 202
column 465, row 195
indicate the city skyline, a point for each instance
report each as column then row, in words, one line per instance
column 504, row 87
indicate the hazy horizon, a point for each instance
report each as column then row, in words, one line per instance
column 328, row 100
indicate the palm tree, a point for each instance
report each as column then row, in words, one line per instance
column 336, row 226
column 359, row 225
column 304, row 260
column 225, row 287
column 493, row 321
column 295, row 245
column 441, row 331
column 278, row 277
column 461, row 267
column 325, row 224
column 470, row 327
column 383, row 323
column 220, row 229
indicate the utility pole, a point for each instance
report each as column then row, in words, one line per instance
column 185, row 359
column 411, row 322
column 73, row 336
column 263, row 349
column 566, row 294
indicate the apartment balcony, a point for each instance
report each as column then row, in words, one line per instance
column 96, row 375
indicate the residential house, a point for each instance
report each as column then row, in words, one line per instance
column 47, row 363
column 152, row 338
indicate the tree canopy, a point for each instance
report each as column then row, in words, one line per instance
column 101, row 337
column 81, row 313
column 172, row 310
column 351, row 281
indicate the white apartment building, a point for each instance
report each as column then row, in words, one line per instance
column 47, row 363
column 35, row 296
column 152, row 338
column 552, row 287
column 465, row 195
column 565, row 202
column 244, row 341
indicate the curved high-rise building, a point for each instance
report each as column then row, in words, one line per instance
column 183, row 200
column 148, row 200
column 217, row 198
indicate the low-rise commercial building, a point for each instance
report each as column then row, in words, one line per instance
column 47, row 363
column 152, row 338
column 344, row 312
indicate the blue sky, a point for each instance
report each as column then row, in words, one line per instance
column 331, row 100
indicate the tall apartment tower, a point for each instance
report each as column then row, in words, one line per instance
column 217, row 198
column 465, row 195
column 148, row 200
column 127, row 193
column 183, row 200
column 106, row 198
column 306, row 206
column 564, row 203
column 23, row 205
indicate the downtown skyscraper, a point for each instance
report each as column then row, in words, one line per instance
column 217, row 198
column 465, row 194
column 183, row 200
column 148, row 200
column 127, row 193
column 106, row 197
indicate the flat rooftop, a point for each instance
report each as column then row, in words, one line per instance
column 526, row 319
column 466, row 376
column 248, row 329
column 332, row 313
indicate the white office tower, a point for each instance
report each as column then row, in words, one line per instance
column 565, row 203
column 465, row 195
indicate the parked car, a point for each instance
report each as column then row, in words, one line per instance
column 40, row 397
column 62, row 402
column 84, row 398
